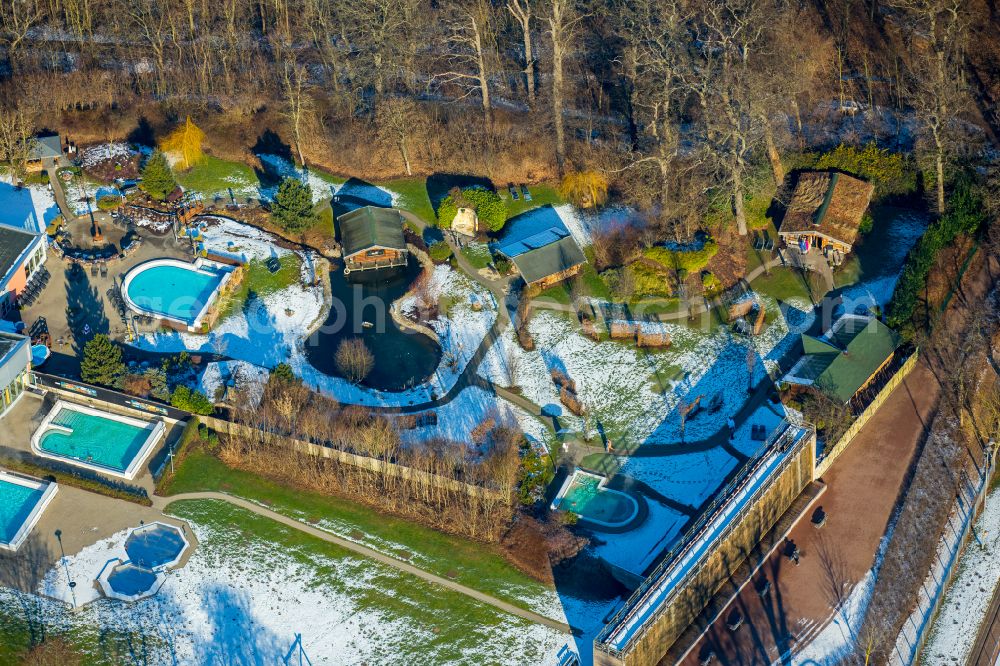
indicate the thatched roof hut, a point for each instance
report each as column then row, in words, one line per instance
column 826, row 209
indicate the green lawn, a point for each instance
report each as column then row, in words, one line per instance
column 261, row 282
column 474, row 564
column 783, row 284
column 214, row 175
column 541, row 195
column 412, row 197
column 477, row 254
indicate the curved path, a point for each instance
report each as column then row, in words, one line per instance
column 161, row 503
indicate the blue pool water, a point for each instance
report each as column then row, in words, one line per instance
column 95, row 439
column 131, row 580
column 174, row 291
column 154, row 546
column 16, row 503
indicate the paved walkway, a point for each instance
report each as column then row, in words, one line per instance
column 161, row 503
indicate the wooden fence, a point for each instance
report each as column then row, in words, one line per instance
column 376, row 465
column 845, row 440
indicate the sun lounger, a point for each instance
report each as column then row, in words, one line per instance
column 758, row 241
column 525, row 193
column 768, row 241
column 513, row 192
column 93, row 270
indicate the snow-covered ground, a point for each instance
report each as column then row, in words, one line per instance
column 30, row 208
column 831, row 644
column 242, row 598
column 636, row 549
column 971, row 591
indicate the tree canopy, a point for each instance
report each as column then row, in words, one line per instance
column 102, row 361
column 157, row 178
column 292, row 208
column 489, row 207
column 186, row 143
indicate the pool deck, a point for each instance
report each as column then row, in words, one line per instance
column 21, row 421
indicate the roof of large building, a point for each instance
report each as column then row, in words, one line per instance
column 46, row 146
column 842, row 360
column 13, row 243
column 368, row 227
column 828, row 203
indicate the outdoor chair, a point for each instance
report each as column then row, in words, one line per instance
column 104, row 270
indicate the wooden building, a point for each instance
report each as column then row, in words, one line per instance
column 545, row 257
column 825, row 212
column 372, row 238
column 846, row 359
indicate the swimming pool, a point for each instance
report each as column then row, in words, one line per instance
column 97, row 440
column 585, row 495
column 22, row 501
column 156, row 545
column 174, row 290
column 129, row 582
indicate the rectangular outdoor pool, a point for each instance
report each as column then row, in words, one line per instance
column 22, row 501
column 97, row 440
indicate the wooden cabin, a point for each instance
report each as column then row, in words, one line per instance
column 825, row 212
column 544, row 257
column 372, row 238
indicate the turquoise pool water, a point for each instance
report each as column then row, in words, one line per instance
column 586, row 499
column 174, row 291
column 16, row 503
column 94, row 439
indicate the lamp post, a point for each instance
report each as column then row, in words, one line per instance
column 72, row 583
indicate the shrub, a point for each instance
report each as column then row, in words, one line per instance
column 689, row 261
column 191, row 400
column 489, row 207
column 867, row 224
column 157, row 178
column 647, row 281
column 292, row 208
column 892, row 174
column 102, row 361
column 534, row 476
column 710, row 283
column 109, row 202
column 503, row 265
column 585, row 189
column 185, row 142
column 37, row 178
column 283, row 373
column 439, row 252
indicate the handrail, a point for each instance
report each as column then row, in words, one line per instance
column 686, row 543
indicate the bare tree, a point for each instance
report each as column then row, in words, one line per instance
column 522, row 10
column 939, row 29
column 354, row 360
column 564, row 22
column 472, row 57
column 397, row 120
column 298, row 101
column 17, row 139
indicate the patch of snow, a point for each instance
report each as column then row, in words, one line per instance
column 967, row 600
column 277, row 165
column 113, row 150
column 636, row 549
column 688, row 478
column 832, row 643
column 245, row 377
column 31, row 208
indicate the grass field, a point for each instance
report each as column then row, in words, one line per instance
column 216, row 175
column 394, row 616
column 474, row 564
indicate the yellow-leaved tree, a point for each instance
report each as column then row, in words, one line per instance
column 585, row 189
column 185, row 144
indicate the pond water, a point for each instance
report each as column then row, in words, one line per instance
column 403, row 358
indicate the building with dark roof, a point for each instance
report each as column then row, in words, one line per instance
column 372, row 237
column 46, row 148
column 826, row 211
column 845, row 359
column 545, row 257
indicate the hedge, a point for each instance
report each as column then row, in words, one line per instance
column 489, row 207
column 649, row 281
column 965, row 215
column 683, row 260
column 892, row 174
column 63, row 474
column 439, row 252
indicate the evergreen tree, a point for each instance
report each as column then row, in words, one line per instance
column 157, row 178
column 102, row 361
column 292, row 207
